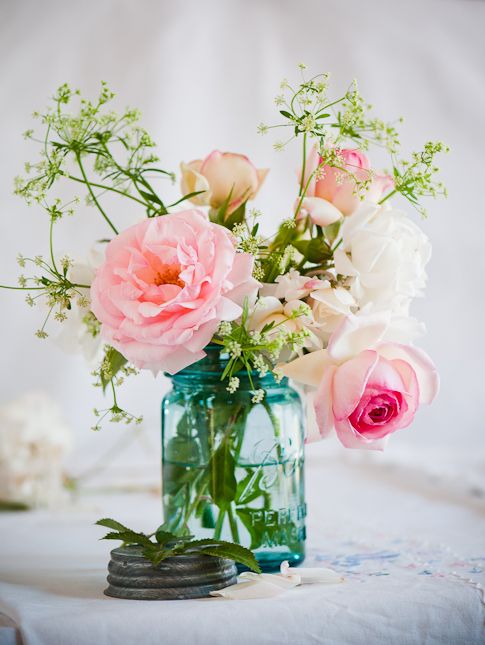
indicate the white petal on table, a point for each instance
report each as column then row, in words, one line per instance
column 267, row 585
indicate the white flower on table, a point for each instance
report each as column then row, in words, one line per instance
column 34, row 440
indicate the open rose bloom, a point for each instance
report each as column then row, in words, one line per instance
column 367, row 386
column 166, row 285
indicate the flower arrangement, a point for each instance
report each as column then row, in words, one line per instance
column 201, row 294
column 325, row 300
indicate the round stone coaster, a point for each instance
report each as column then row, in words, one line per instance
column 132, row 576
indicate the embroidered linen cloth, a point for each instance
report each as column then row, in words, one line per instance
column 413, row 558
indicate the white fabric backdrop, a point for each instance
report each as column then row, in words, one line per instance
column 204, row 74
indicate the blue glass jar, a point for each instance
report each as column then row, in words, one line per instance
column 233, row 469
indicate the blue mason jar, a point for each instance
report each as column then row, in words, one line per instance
column 233, row 469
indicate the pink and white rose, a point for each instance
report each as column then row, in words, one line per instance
column 332, row 192
column 219, row 175
column 165, row 286
column 366, row 386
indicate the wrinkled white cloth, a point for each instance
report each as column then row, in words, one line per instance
column 412, row 557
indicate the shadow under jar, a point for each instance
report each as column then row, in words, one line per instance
column 233, row 469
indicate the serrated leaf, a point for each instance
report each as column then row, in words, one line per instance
column 130, row 537
column 111, row 524
column 223, row 549
column 162, row 536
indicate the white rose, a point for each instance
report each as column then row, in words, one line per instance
column 330, row 306
column 385, row 253
column 289, row 286
column 33, row 442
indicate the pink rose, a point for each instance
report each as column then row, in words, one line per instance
column 334, row 194
column 367, row 386
column 165, row 286
column 219, row 174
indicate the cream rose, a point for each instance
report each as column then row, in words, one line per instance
column 219, row 175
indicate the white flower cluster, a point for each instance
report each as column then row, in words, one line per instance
column 384, row 253
column 34, row 440
column 379, row 266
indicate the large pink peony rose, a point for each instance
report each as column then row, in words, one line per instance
column 164, row 287
column 334, row 193
column 367, row 386
column 219, row 175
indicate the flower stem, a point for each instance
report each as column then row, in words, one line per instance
column 110, row 188
column 219, row 523
column 303, row 165
column 93, row 196
column 233, row 524
column 51, row 247
column 393, row 192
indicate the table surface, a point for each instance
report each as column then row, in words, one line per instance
column 411, row 549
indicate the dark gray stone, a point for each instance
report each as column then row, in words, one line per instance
column 132, row 576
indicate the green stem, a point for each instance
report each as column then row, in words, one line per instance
column 110, row 188
column 93, row 196
column 233, row 524
column 4, row 286
column 51, row 248
column 302, row 196
column 276, row 428
column 303, row 166
column 393, row 192
column 219, row 523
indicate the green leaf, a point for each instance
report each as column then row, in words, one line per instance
column 255, row 530
column 332, row 231
column 115, row 362
column 13, row 506
column 183, row 451
column 130, row 537
column 162, row 536
column 236, row 217
column 223, row 482
column 286, row 114
column 112, row 524
column 315, row 251
column 223, row 549
column 222, row 210
column 248, row 488
column 185, row 197
column 151, row 197
column 206, row 515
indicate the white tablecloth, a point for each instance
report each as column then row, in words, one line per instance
column 412, row 553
